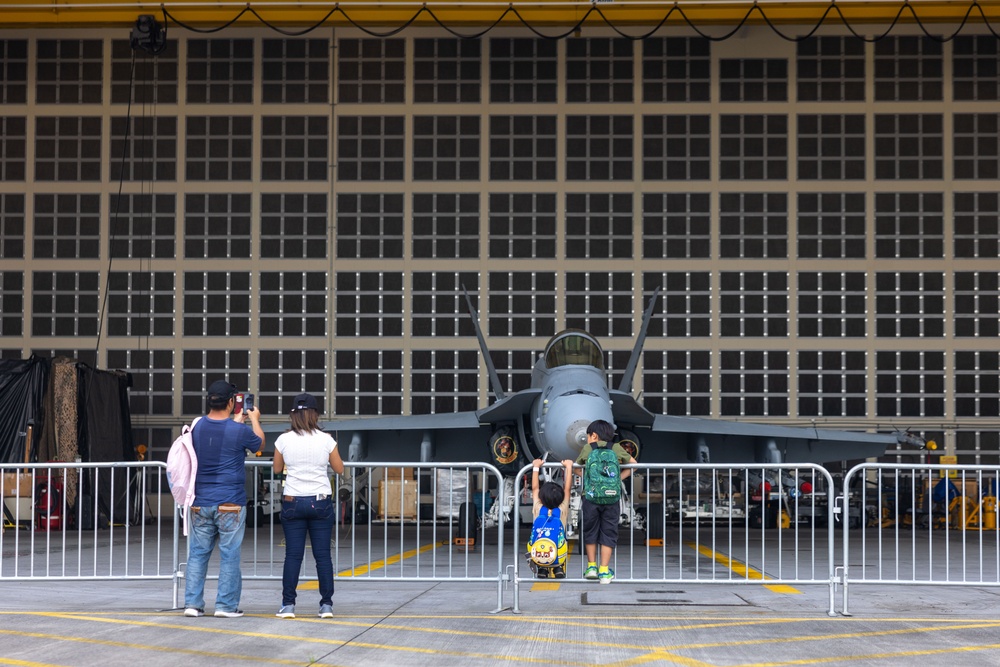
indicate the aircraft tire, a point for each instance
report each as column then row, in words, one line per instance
column 467, row 522
column 255, row 515
column 654, row 522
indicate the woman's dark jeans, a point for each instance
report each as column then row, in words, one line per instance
column 299, row 516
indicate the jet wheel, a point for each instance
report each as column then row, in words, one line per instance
column 654, row 524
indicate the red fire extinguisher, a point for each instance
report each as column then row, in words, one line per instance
column 48, row 505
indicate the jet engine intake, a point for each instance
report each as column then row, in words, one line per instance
column 505, row 450
column 629, row 442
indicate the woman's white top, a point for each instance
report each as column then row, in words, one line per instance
column 307, row 459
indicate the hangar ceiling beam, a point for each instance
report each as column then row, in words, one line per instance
column 538, row 13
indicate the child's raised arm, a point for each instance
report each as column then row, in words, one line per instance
column 567, row 477
column 536, row 466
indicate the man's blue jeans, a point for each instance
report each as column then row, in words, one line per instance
column 208, row 526
column 300, row 516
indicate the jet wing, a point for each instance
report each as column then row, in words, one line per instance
column 510, row 408
column 689, row 439
column 667, row 439
column 448, row 420
column 452, row 436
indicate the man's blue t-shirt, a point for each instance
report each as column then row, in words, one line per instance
column 221, row 445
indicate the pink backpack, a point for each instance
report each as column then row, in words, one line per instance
column 182, row 470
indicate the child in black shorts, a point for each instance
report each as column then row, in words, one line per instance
column 600, row 522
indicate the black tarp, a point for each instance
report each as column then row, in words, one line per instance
column 22, row 389
column 105, row 435
column 105, row 432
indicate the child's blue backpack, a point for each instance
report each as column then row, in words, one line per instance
column 547, row 541
column 602, row 479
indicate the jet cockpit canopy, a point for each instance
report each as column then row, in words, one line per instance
column 573, row 347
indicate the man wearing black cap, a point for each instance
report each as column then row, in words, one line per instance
column 219, row 511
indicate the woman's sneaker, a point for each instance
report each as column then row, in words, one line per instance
column 606, row 577
column 325, row 611
column 286, row 611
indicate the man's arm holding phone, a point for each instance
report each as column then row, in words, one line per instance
column 254, row 415
column 244, row 407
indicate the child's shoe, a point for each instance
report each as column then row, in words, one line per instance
column 590, row 572
column 606, row 577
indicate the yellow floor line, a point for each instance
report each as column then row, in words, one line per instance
column 141, row 647
column 850, row 659
column 364, row 569
column 25, row 663
column 544, row 586
column 745, row 571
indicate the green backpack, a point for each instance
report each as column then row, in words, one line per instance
column 602, row 476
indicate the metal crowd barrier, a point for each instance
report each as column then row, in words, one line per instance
column 86, row 521
column 426, row 527
column 708, row 524
column 923, row 525
column 752, row 524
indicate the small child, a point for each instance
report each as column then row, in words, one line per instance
column 550, row 497
column 600, row 521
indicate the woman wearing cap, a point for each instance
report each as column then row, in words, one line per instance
column 303, row 454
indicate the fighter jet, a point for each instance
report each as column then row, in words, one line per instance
column 569, row 389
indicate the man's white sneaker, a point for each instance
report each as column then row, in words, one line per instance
column 236, row 613
column 194, row 612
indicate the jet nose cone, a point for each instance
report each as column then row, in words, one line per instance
column 576, row 434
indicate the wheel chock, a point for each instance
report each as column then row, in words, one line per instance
column 465, row 543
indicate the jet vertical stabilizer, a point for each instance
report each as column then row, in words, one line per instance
column 490, row 368
column 633, row 362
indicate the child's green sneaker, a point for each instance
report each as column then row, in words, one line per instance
column 590, row 572
column 606, row 577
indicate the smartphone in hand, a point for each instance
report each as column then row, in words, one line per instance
column 238, row 407
column 248, row 402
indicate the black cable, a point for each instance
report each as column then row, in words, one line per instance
column 474, row 35
column 168, row 15
column 755, row 8
column 957, row 30
column 564, row 35
column 391, row 33
column 290, row 33
column 739, row 26
column 147, row 173
column 113, row 232
column 636, row 38
column 114, row 223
